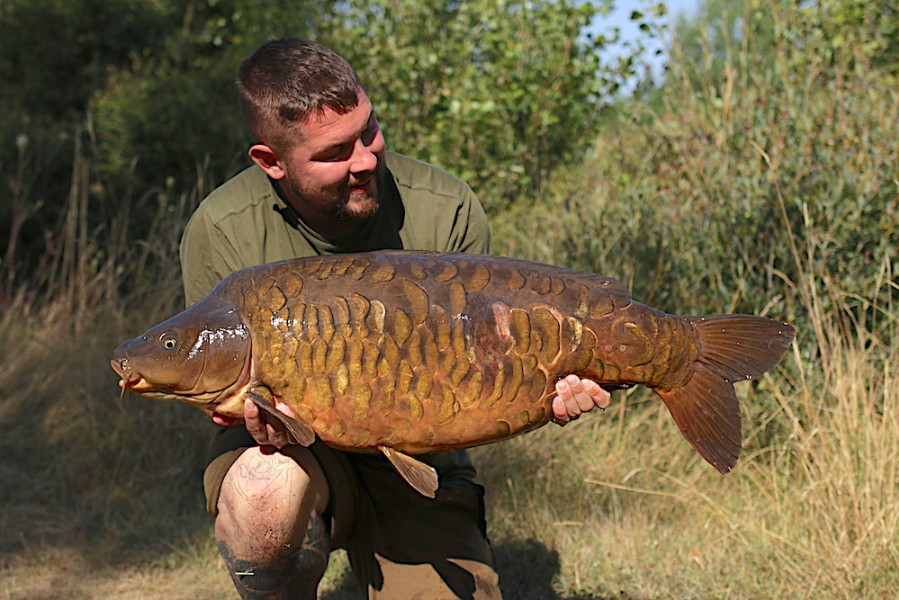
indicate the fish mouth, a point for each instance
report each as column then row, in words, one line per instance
column 129, row 378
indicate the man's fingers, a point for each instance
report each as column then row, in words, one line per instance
column 266, row 432
column 223, row 420
column 565, row 405
column 250, row 410
column 577, row 399
column 600, row 397
column 276, row 436
column 575, row 396
column 560, row 412
column 251, row 418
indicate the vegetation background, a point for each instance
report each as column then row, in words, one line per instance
column 757, row 173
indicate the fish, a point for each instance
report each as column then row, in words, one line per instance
column 403, row 353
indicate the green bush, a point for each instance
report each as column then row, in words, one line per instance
column 499, row 93
column 730, row 187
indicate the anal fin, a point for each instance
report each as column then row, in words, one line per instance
column 422, row 477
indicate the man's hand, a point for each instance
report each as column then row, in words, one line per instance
column 265, row 429
column 575, row 396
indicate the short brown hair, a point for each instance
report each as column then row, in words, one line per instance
column 283, row 82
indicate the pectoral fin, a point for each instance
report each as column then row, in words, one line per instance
column 420, row 476
column 301, row 432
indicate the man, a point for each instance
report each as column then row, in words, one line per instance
column 323, row 182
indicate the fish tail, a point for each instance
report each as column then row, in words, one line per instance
column 732, row 348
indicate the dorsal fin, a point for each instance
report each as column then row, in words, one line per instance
column 420, row 476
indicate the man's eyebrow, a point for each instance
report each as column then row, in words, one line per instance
column 355, row 136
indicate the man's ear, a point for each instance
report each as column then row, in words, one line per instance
column 267, row 160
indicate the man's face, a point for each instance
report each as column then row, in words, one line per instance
column 331, row 175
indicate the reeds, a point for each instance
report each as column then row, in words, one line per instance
column 91, row 480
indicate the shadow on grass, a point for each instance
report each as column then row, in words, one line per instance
column 112, row 481
column 527, row 569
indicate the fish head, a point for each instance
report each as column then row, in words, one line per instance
column 200, row 356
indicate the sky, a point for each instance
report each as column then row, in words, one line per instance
column 620, row 17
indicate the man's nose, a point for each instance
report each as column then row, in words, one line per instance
column 365, row 156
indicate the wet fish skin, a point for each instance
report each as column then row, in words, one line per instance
column 406, row 353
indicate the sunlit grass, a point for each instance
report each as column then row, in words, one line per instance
column 768, row 189
column 626, row 504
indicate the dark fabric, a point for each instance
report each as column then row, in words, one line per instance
column 396, row 539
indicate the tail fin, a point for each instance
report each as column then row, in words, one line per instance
column 732, row 348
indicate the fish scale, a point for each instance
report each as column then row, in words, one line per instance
column 413, row 352
column 410, row 330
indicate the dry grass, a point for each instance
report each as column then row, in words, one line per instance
column 788, row 170
column 628, row 507
column 102, row 497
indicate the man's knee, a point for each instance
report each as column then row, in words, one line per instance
column 266, row 501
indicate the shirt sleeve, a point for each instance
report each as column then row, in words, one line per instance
column 474, row 227
column 207, row 257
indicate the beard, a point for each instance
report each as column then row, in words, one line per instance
column 357, row 207
column 340, row 205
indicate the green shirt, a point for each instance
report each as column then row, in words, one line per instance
column 246, row 222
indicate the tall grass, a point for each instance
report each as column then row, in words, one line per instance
column 101, row 494
column 810, row 512
column 91, row 480
column 765, row 186
column 721, row 189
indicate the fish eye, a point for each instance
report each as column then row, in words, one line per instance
column 169, row 341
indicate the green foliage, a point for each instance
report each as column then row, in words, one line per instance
column 763, row 178
column 849, row 31
column 831, row 33
column 156, row 120
column 138, row 93
column 174, row 111
column 748, row 177
column 55, row 53
column 500, row 93
column 725, row 32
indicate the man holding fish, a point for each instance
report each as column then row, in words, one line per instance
column 323, row 183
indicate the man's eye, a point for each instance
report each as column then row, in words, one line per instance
column 333, row 154
column 369, row 135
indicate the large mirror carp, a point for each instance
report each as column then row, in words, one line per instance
column 406, row 352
